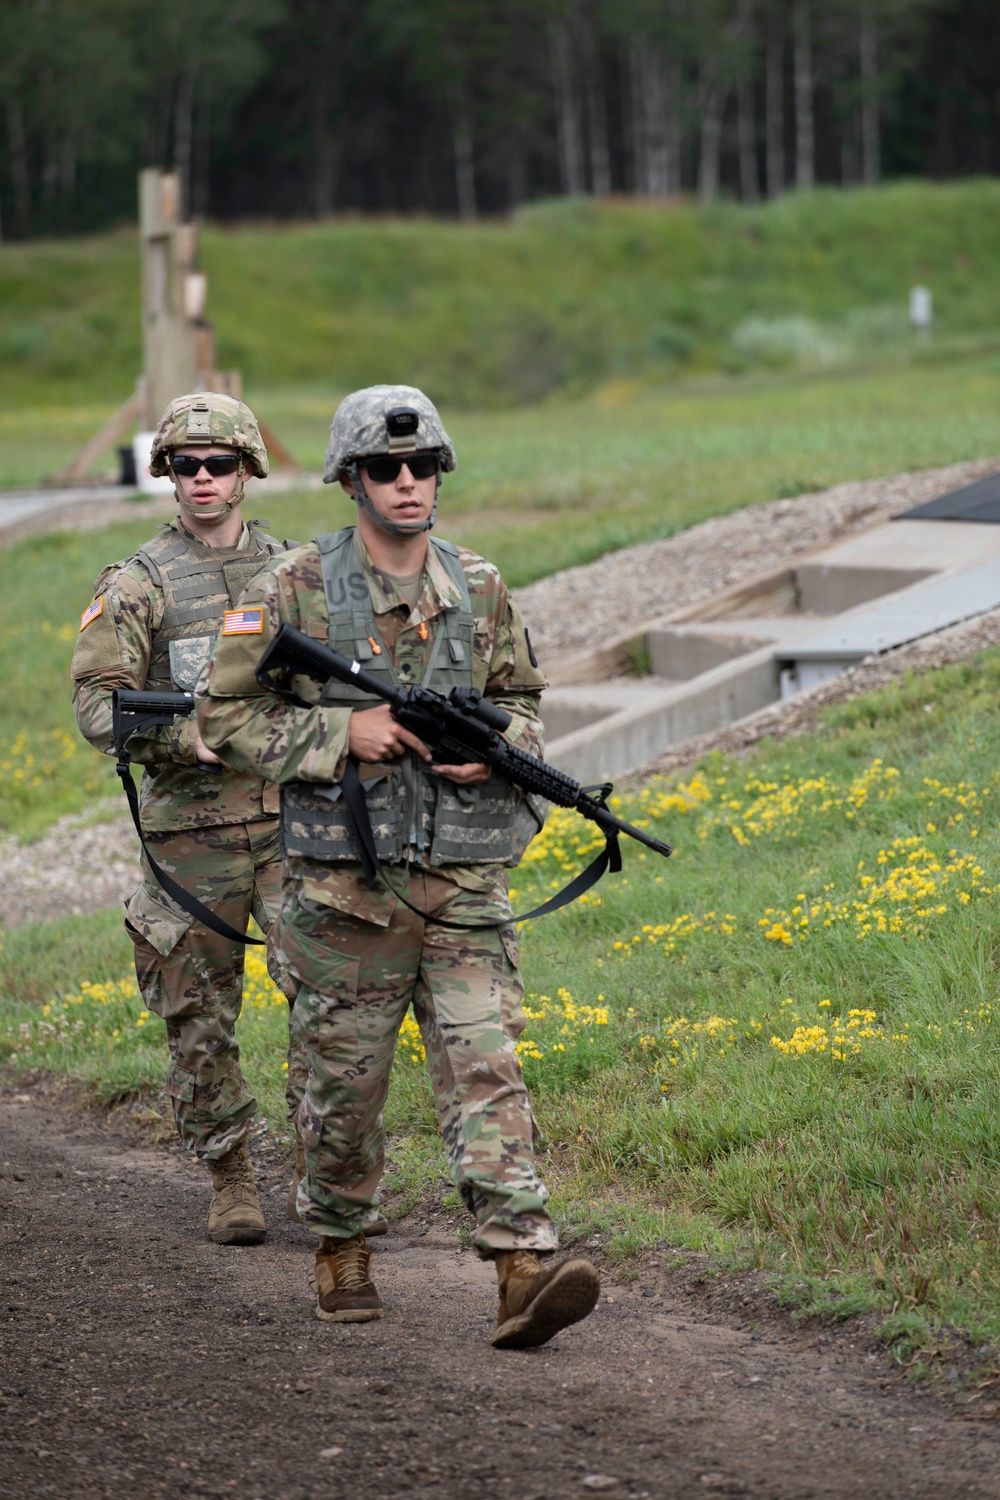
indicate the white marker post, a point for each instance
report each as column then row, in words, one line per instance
column 921, row 310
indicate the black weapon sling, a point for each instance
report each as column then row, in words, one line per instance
column 610, row 858
column 184, row 899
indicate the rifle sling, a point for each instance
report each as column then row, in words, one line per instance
column 184, row 899
column 357, row 811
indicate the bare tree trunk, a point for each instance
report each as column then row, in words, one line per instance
column 20, row 170
column 712, row 104
column 465, row 172
column 848, row 174
column 805, row 145
column 867, row 49
column 202, row 154
column 568, row 131
column 183, row 131
column 517, row 172
column 597, row 115
column 774, row 104
column 745, row 125
column 637, row 115
column 673, row 123
column 67, row 167
column 657, row 153
column 656, row 123
column 327, row 146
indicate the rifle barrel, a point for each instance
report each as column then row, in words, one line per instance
column 606, row 819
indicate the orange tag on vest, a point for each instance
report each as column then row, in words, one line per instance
column 91, row 612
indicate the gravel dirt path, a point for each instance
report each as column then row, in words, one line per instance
column 139, row 1359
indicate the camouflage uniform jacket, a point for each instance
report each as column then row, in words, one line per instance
column 121, row 644
column 262, row 733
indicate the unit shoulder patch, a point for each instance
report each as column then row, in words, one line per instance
column 243, row 622
column 91, row 613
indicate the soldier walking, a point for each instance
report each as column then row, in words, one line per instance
column 414, row 610
column 152, row 624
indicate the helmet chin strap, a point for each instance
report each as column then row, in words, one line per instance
column 213, row 517
column 394, row 528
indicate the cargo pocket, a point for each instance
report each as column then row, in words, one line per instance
column 180, row 1084
column 325, row 1019
column 160, row 925
column 511, row 988
column 315, row 963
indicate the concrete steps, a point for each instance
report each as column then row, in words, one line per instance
column 712, row 664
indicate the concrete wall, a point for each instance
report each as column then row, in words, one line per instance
column 827, row 590
column 684, row 651
column 636, row 736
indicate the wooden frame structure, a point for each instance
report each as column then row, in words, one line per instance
column 178, row 344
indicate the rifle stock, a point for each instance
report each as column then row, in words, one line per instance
column 133, row 710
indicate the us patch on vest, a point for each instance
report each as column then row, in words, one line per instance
column 91, row 612
column 243, row 622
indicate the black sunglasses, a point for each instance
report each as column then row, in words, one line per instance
column 386, row 470
column 187, row 466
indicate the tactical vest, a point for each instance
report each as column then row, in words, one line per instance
column 198, row 584
column 413, row 812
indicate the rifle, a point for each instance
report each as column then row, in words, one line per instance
column 132, row 711
column 464, row 728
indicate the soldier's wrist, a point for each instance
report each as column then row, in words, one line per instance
column 182, row 742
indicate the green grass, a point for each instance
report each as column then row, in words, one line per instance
column 537, row 490
column 565, row 296
column 697, row 1071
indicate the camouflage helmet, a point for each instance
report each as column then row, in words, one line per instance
column 217, row 421
column 394, row 419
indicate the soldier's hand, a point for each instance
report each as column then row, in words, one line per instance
column 470, row 775
column 374, row 735
column 203, row 753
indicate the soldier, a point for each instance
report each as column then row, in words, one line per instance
column 151, row 624
column 414, row 610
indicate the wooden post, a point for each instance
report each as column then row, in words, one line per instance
column 171, row 339
column 178, row 344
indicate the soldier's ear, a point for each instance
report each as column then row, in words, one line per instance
column 346, row 486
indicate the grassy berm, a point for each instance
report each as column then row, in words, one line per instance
column 564, row 296
column 782, row 1046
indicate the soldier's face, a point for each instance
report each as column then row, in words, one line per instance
column 205, row 491
column 404, row 499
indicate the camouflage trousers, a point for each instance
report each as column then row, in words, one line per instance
column 357, row 981
column 193, row 978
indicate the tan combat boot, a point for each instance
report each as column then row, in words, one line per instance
column 537, row 1300
column 235, row 1217
column 378, row 1225
column 345, row 1292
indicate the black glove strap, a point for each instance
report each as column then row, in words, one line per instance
column 610, row 858
column 184, row 899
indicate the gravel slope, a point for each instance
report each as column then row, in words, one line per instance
column 576, row 608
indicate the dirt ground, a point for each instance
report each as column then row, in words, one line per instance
column 139, row 1359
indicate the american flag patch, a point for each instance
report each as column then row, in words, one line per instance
column 243, row 622
column 91, row 612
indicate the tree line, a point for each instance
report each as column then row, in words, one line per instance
column 299, row 108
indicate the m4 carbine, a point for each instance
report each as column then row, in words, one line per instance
column 462, row 728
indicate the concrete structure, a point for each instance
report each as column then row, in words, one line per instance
column 708, row 665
